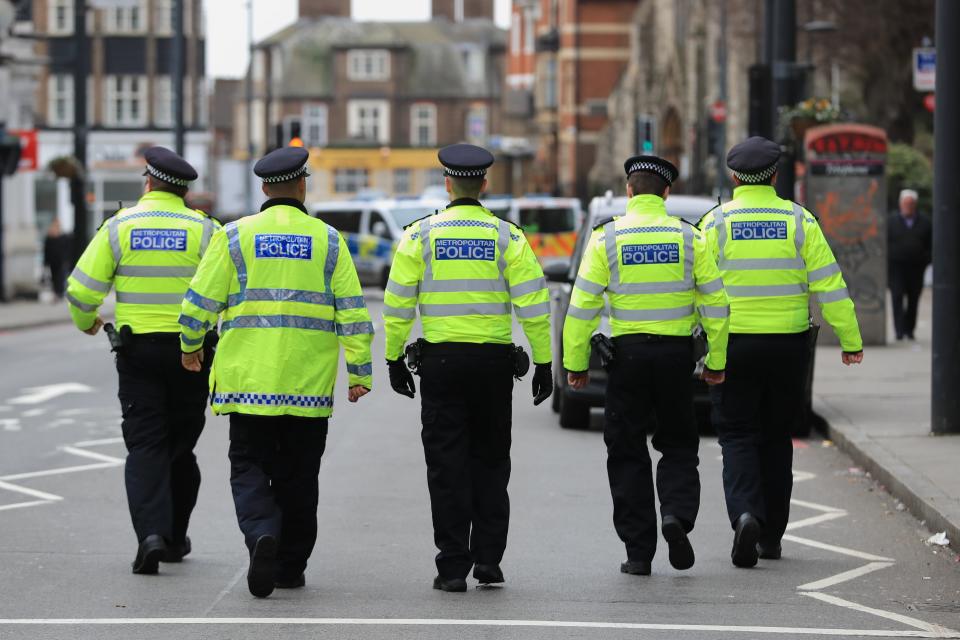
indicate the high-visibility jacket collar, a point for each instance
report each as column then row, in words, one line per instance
column 647, row 204
column 754, row 191
column 161, row 200
column 464, row 202
column 286, row 202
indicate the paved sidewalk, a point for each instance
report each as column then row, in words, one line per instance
column 23, row 314
column 879, row 413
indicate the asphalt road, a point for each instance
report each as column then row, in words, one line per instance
column 854, row 566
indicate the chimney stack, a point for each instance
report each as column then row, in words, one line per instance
column 460, row 10
column 324, row 9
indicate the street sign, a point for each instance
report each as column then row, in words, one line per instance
column 924, row 68
column 929, row 102
column 718, row 111
column 28, row 149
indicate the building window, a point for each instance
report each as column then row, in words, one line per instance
column 423, row 125
column 60, row 100
column 349, row 180
column 474, row 59
column 60, row 17
column 162, row 101
column 369, row 120
column 401, row 181
column 314, row 125
column 125, row 101
column 163, row 17
column 548, row 84
column 476, row 125
column 368, row 64
column 126, row 19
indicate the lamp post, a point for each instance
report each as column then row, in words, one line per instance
column 814, row 28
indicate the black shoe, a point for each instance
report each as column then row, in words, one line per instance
column 263, row 566
column 681, row 552
column 744, row 553
column 769, row 551
column 453, row 585
column 149, row 554
column 636, row 567
column 488, row 573
column 176, row 552
column 910, row 336
column 285, row 582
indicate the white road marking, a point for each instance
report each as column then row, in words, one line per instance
column 941, row 632
column 60, row 470
column 845, row 576
column 4, row 407
column 30, row 413
column 74, row 412
column 95, row 443
column 92, row 455
column 815, row 506
column 38, row 395
column 444, row 622
column 226, row 590
column 18, row 505
column 802, row 476
column 35, row 493
column 836, row 549
column 823, row 517
column 10, row 424
column 61, row 422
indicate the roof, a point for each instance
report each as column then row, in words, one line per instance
column 436, row 69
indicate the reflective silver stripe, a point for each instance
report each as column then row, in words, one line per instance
column 503, row 243
column 756, row 291
column 333, row 253
column 632, row 288
column 465, row 309
column 404, row 291
column 588, row 286
column 823, row 272
column 613, row 258
column 399, row 312
column 427, row 252
column 236, row 254
column 149, row 298
column 530, row 286
column 462, row 285
column 823, row 297
column 350, row 302
column 204, row 303
column 354, row 328
column 278, row 322
column 114, row 234
column 755, row 264
column 155, row 272
column 83, row 306
column 209, row 226
column 687, row 254
column 583, row 314
column 721, row 229
column 708, row 311
column 88, row 282
column 710, row 287
column 675, row 313
column 799, row 234
column 533, row 311
column 289, row 295
column 360, row 369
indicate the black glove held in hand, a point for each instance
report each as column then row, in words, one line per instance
column 400, row 378
column 542, row 382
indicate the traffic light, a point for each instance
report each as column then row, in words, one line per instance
column 646, row 134
column 9, row 153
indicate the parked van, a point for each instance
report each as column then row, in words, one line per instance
column 550, row 224
column 689, row 208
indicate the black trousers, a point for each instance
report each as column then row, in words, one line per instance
column 163, row 408
column 651, row 389
column 754, row 411
column 906, row 285
column 466, row 410
column 274, row 463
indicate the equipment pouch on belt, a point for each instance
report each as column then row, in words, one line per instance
column 603, row 345
column 414, row 353
column 521, row 361
column 117, row 339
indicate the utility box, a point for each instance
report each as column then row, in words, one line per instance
column 846, row 188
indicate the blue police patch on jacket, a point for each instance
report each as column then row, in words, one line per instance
column 278, row 245
column 661, row 253
column 759, row 230
column 465, row 249
column 158, row 240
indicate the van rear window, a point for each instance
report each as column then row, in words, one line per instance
column 347, row 221
column 547, row 220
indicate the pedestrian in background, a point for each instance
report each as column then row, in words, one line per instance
column 909, row 251
column 56, row 257
column 149, row 252
column 290, row 298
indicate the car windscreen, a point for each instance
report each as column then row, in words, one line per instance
column 345, row 220
column 547, row 219
column 404, row 216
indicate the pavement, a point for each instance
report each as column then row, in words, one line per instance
column 24, row 314
column 854, row 565
column 879, row 414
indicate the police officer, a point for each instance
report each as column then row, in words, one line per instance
column 463, row 267
column 148, row 253
column 660, row 282
column 772, row 255
column 289, row 295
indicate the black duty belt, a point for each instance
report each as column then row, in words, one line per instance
column 647, row 338
column 159, row 337
column 465, row 349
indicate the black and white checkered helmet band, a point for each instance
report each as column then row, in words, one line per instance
column 464, row 173
column 760, row 176
column 166, row 177
column 283, row 177
column 651, row 167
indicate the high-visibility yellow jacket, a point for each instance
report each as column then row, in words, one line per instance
column 149, row 252
column 659, row 277
column 464, row 267
column 772, row 255
column 290, row 298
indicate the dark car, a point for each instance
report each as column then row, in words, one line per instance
column 574, row 406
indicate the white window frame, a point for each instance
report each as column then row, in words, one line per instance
column 368, row 65
column 120, row 95
column 126, row 20
column 163, row 17
column 56, row 9
column 162, row 101
column 347, row 179
column 402, row 177
column 423, row 119
column 361, row 114
column 477, row 109
column 314, row 123
column 60, row 91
